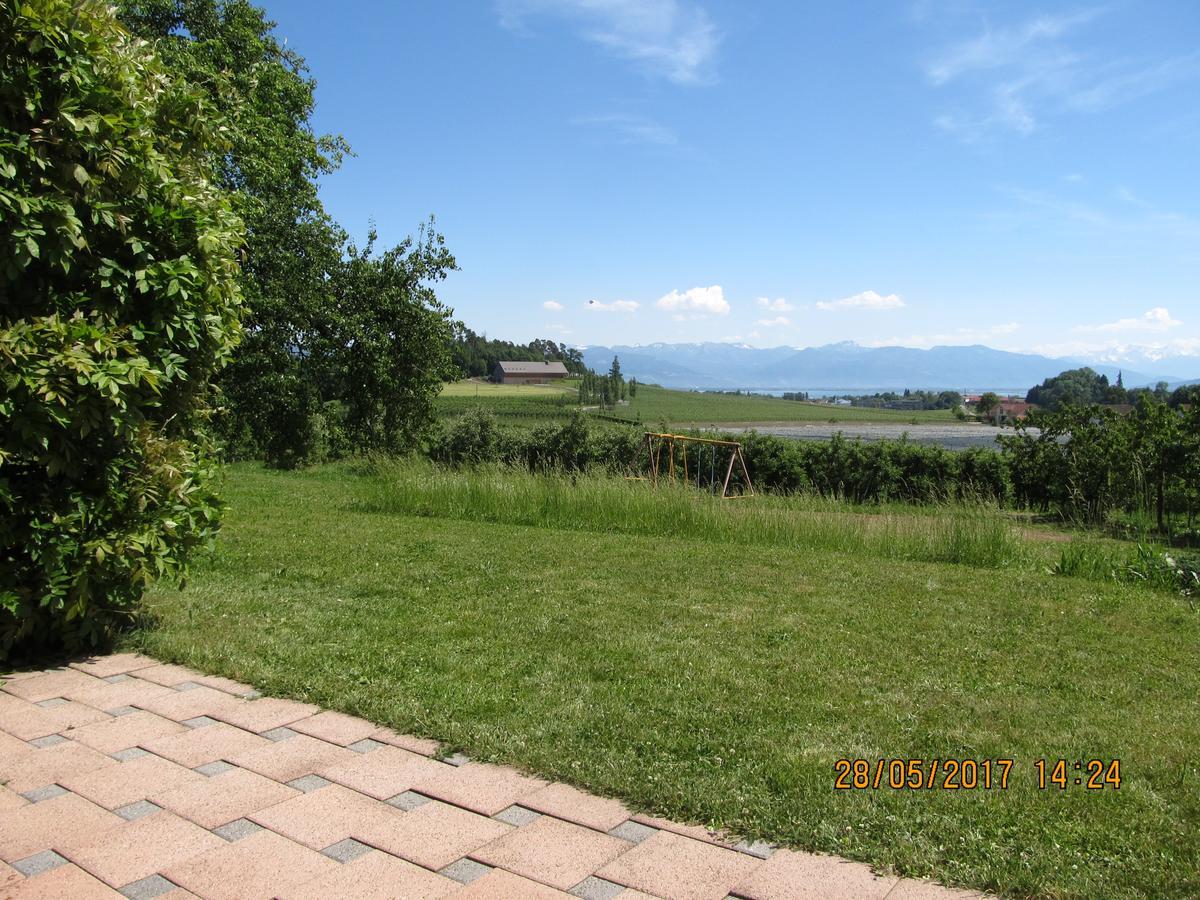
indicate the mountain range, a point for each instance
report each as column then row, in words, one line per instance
column 848, row 366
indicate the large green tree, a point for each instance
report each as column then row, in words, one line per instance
column 228, row 49
column 118, row 274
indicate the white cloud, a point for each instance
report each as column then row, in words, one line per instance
column 620, row 306
column 1153, row 320
column 672, row 39
column 695, row 303
column 1022, row 70
column 777, row 305
column 777, row 322
column 865, row 300
column 553, row 306
column 1116, row 351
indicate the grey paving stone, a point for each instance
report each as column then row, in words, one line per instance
column 517, row 815
column 761, row 849
column 137, row 810
column 366, row 745
column 213, row 768
column 117, row 679
column 308, row 783
column 131, row 753
column 407, row 801
column 121, row 711
column 38, row 863
column 344, row 851
column 457, row 759
column 148, row 888
column 237, row 829
column 279, row 734
column 630, row 830
column 52, row 702
column 464, row 871
column 186, row 686
column 199, row 722
column 48, row 741
column 44, row 793
column 593, row 888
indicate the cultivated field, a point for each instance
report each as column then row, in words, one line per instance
column 713, row 661
column 655, row 405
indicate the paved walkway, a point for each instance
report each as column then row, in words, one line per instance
column 122, row 776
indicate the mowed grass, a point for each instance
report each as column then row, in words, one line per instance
column 716, row 680
column 656, row 404
column 471, row 387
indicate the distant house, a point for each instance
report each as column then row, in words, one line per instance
column 522, row 372
column 1011, row 410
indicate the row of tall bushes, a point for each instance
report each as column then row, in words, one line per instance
column 1084, row 464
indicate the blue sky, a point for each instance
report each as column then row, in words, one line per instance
column 920, row 173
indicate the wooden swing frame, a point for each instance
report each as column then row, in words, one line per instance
column 656, row 440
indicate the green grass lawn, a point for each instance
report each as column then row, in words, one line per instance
column 718, row 680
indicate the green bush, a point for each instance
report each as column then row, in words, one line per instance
column 118, row 272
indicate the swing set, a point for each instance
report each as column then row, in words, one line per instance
column 656, row 442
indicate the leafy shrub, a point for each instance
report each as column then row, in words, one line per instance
column 118, row 272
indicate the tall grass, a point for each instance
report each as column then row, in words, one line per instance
column 969, row 535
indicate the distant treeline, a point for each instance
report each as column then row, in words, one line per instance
column 476, row 356
column 1080, row 387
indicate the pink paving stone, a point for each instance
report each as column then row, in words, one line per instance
column 481, row 787
column 293, row 758
column 501, row 885
column 183, row 705
column 382, row 773
column 695, row 832
column 124, row 732
column 28, row 722
column 11, row 746
column 169, row 675
column 264, row 714
column 263, row 865
column 223, row 798
column 424, row 746
column 553, row 852
column 50, row 765
column 64, row 883
column 789, row 875
column 335, row 727
column 113, row 664
column 134, row 850
column 10, row 800
column 670, row 865
column 51, row 684
column 132, row 692
column 325, row 816
column 432, row 835
column 228, row 685
column 376, row 876
column 60, row 823
column 912, row 889
column 200, row 746
column 128, row 782
column 574, row 805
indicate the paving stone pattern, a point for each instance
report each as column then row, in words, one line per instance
column 121, row 776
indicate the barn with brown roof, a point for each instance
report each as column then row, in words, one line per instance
column 523, row 372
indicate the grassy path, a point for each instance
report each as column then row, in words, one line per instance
column 721, row 683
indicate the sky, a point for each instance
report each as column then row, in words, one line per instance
column 913, row 173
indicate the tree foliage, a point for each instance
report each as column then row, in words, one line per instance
column 342, row 346
column 476, row 356
column 118, row 272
